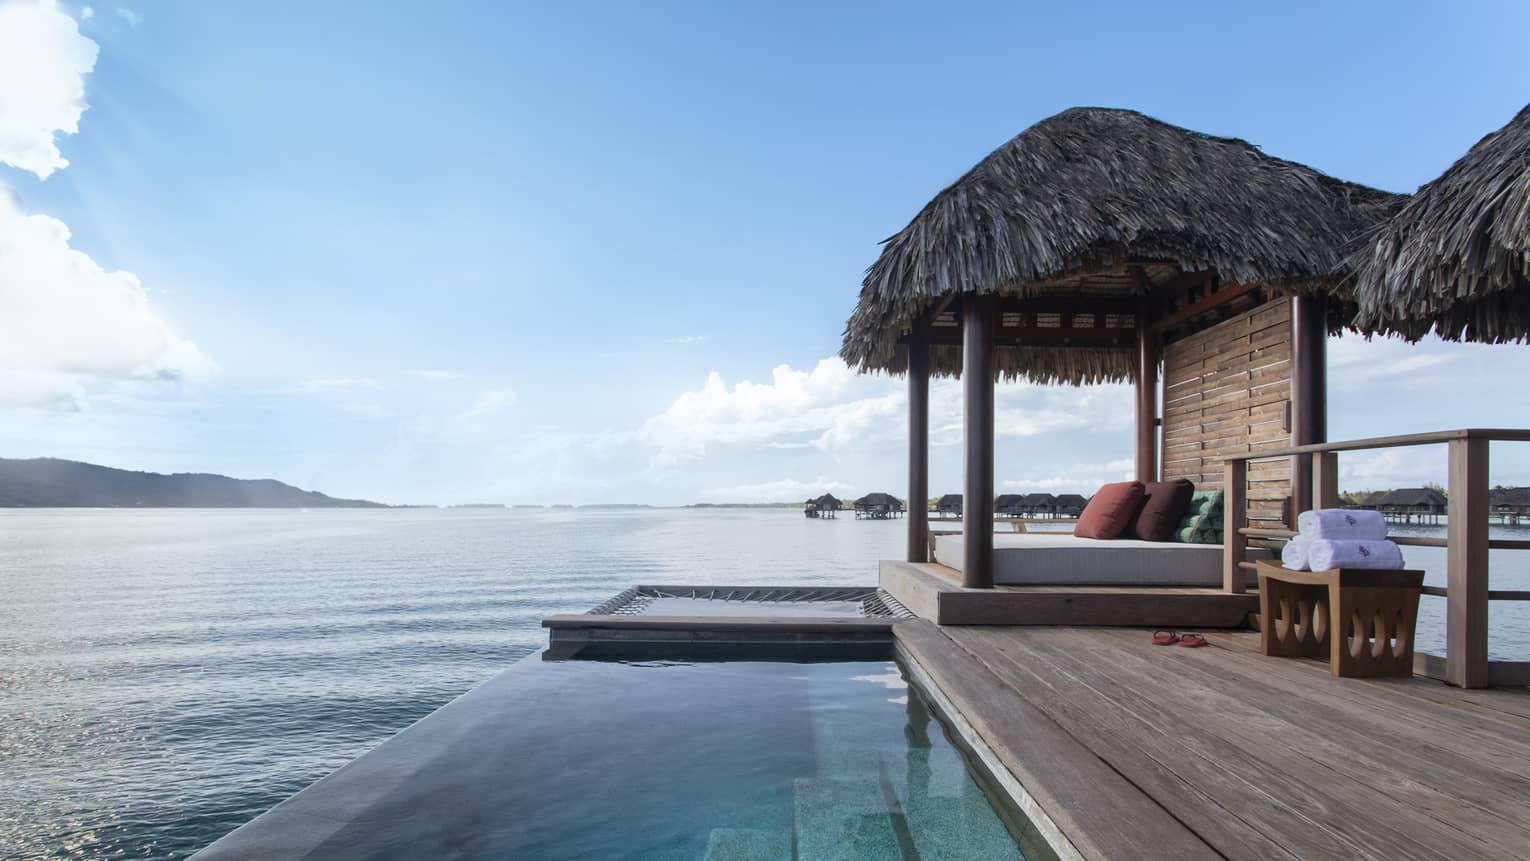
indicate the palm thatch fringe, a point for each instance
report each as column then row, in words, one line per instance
column 1090, row 189
column 1456, row 259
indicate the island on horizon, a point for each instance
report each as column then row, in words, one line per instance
column 47, row 482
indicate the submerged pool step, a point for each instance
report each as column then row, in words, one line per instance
column 845, row 820
column 948, row 816
column 749, row 844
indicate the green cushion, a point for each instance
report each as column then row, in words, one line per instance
column 1202, row 523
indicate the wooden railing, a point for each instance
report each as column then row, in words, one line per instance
column 1466, row 544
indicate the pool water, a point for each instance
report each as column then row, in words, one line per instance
column 662, row 760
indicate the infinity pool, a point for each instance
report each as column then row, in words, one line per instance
column 661, row 760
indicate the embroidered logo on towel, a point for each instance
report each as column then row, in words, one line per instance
column 1350, row 519
column 1364, row 551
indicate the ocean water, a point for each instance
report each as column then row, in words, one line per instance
column 167, row 675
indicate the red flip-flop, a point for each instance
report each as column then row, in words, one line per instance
column 1165, row 638
column 1192, row 641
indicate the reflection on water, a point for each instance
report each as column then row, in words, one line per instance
column 663, row 760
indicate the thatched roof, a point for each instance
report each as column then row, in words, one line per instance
column 1457, row 258
column 1411, row 497
column 1038, row 499
column 1071, row 499
column 949, row 502
column 827, row 502
column 875, row 499
column 1064, row 205
column 1515, row 497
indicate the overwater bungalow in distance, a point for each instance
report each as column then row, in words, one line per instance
column 878, row 506
column 826, row 507
column 1509, row 504
column 949, row 505
column 1099, row 246
column 1411, row 505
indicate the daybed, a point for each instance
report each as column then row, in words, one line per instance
column 1056, row 559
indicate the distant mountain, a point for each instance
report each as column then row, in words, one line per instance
column 50, row 483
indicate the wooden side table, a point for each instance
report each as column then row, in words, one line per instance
column 1360, row 619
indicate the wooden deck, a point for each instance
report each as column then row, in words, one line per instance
column 1137, row 751
column 935, row 592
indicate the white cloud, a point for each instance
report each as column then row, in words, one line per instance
column 434, row 376
column 87, row 13
column 1081, row 478
column 1392, row 468
column 784, row 490
column 1354, row 362
column 335, row 384
column 132, row 17
column 64, row 319
column 686, row 339
column 43, row 63
column 826, row 408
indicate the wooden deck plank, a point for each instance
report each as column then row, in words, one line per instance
column 1311, row 817
column 1348, row 759
column 1160, row 767
column 1416, row 711
column 1267, row 757
column 1103, row 814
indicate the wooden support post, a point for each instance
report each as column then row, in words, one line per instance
column 918, row 443
column 1309, row 389
column 1147, row 398
column 1235, row 517
column 1466, row 565
column 977, row 432
column 1325, row 480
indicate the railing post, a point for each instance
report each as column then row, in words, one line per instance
column 1325, row 480
column 1235, row 517
column 1466, row 565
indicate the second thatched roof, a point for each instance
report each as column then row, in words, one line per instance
column 1456, row 259
column 1089, row 190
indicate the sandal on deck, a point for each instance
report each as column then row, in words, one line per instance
column 1165, row 638
column 1192, row 641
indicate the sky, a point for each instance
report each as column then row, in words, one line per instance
column 604, row 252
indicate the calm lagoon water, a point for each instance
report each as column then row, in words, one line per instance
column 167, row 675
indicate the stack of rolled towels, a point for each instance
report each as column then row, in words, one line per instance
column 1340, row 538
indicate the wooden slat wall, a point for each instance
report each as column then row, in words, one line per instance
column 1226, row 389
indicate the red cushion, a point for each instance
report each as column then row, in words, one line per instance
column 1163, row 504
column 1111, row 509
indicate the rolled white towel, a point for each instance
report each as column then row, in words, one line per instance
column 1340, row 524
column 1324, row 554
column 1294, row 554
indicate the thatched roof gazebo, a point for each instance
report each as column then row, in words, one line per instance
column 1075, row 253
column 1456, row 259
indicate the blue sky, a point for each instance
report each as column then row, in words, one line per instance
column 604, row 252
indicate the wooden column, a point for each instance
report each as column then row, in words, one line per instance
column 1234, row 517
column 978, row 325
column 918, row 443
column 1466, row 565
column 1147, row 399
column 1309, row 389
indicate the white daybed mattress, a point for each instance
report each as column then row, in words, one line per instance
column 1051, row 559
